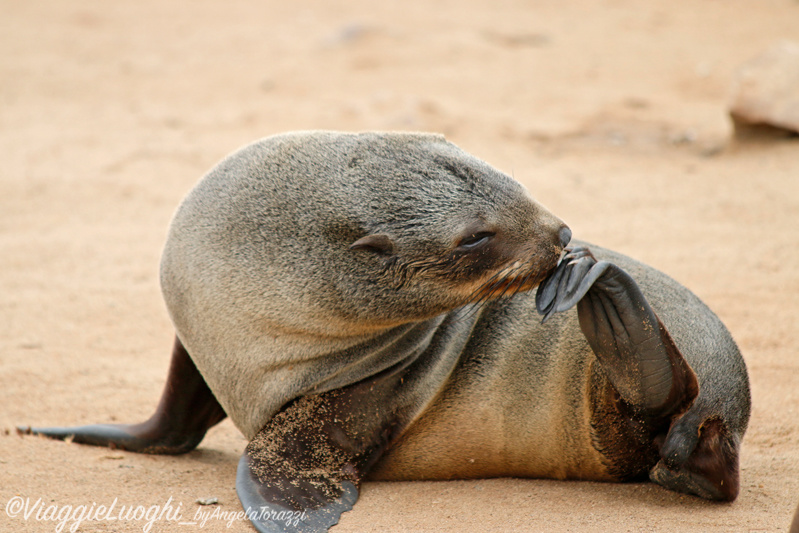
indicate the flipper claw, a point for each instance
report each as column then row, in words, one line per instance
column 569, row 282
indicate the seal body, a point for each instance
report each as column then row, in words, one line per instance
column 359, row 305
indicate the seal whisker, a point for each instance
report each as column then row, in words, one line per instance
column 487, row 286
column 503, row 281
column 524, row 282
column 514, row 286
column 482, row 294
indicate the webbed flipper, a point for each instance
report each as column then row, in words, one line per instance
column 306, row 502
column 186, row 411
column 691, row 448
column 635, row 351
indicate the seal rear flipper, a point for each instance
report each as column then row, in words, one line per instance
column 187, row 410
column 644, row 384
column 634, row 349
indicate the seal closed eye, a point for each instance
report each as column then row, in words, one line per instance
column 346, row 300
column 475, row 240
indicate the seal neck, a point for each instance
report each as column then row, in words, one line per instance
column 427, row 352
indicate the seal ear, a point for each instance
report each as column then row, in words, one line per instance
column 378, row 243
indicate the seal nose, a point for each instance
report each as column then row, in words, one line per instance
column 565, row 235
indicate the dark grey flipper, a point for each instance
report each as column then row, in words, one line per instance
column 634, row 349
column 657, row 387
column 186, row 411
column 302, row 470
column 269, row 509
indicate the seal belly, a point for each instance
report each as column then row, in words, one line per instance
column 515, row 406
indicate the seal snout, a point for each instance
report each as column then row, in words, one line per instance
column 565, row 235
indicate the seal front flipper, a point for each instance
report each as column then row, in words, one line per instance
column 302, row 470
column 187, row 410
column 294, row 476
column 281, row 506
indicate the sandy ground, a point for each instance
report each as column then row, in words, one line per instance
column 612, row 113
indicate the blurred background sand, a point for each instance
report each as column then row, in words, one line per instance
column 612, row 113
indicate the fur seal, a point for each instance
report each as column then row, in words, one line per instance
column 360, row 305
